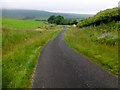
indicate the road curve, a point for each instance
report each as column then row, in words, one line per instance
column 59, row 66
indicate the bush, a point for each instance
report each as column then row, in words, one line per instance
column 105, row 16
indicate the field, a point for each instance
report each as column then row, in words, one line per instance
column 21, row 46
column 100, row 44
column 21, row 24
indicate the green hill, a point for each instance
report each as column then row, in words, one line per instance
column 105, row 16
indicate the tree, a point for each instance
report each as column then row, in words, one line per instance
column 51, row 19
column 56, row 19
column 59, row 20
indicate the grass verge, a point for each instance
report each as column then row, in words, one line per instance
column 20, row 52
column 84, row 41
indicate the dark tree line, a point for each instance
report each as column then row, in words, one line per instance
column 56, row 19
column 60, row 20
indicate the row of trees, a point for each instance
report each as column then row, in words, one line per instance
column 60, row 20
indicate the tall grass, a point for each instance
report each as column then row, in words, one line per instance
column 85, row 41
column 20, row 52
column 20, row 56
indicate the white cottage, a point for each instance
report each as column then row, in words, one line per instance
column 74, row 25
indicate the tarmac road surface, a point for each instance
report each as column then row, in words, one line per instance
column 59, row 66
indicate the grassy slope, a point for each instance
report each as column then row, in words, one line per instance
column 103, row 51
column 20, row 24
column 102, row 17
column 20, row 52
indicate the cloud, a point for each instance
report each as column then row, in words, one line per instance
column 76, row 6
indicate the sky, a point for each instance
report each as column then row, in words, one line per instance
column 64, row 6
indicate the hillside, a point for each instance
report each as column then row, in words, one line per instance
column 36, row 14
column 105, row 16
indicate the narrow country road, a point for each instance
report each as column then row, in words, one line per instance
column 59, row 66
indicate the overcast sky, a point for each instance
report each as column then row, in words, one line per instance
column 65, row 6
